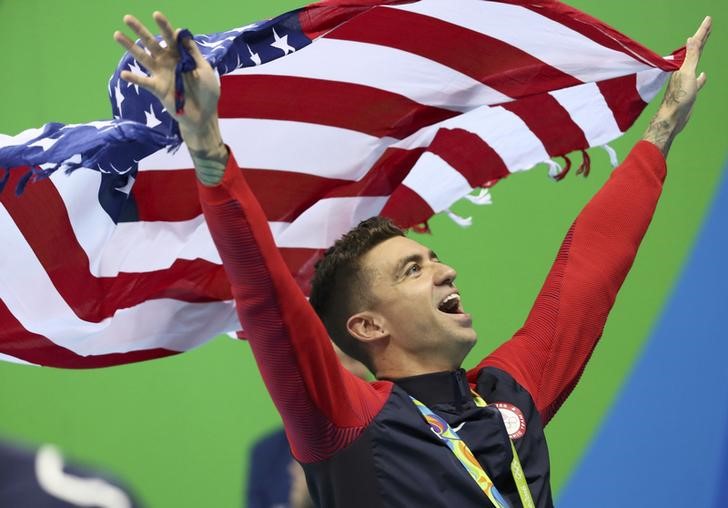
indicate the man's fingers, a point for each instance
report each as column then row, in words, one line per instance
column 136, row 51
column 692, row 55
column 194, row 50
column 703, row 31
column 144, row 34
column 166, row 29
column 136, row 79
column 701, row 80
column 695, row 45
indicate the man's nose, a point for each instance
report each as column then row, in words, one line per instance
column 445, row 275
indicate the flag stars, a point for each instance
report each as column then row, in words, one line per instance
column 255, row 57
column 135, row 69
column 216, row 45
column 118, row 96
column 282, row 43
column 126, row 189
column 152, row 120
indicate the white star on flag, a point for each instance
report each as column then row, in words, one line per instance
column 152, row 120
column 282, row 43
column 214, row 45
column 255, row 57
column 135, row 69
column 126, row 189
column 118, row 96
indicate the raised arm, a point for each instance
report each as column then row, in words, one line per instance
column 323, row 406
column 548, row 355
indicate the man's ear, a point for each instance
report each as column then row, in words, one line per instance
column 367, row 327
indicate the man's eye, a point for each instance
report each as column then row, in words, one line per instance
column 414, row 269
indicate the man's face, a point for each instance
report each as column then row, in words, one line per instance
column 415, row 295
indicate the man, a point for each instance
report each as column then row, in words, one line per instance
column 422, row 434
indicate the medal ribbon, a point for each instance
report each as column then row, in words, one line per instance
column 461, row 451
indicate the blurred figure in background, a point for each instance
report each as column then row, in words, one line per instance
column 40, row 479
column 275, row 480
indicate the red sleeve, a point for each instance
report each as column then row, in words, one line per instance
column 323, row 406
column 548, row 355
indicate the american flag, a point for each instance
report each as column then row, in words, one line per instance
column 338, row 111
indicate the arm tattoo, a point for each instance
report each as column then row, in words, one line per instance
column 675, row 93
column 210, row 164
column 660, row 133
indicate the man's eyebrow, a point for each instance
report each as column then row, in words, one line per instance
column 405, row 261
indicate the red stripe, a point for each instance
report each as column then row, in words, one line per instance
column 470, row 155
column 41, row 216
column 406, row 208
column 19, row 343
column 596, row 30
column 168, row 196
column 337, row 104
column 384, row 177
column 624, row 100
column 490, row 61
column 283, row 195
column 551, row 123
column 318, row 18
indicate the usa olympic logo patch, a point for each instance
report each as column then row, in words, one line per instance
column 513, row 419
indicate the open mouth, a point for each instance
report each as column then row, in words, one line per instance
column 450, row 304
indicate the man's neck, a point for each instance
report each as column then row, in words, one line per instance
column 409, row 367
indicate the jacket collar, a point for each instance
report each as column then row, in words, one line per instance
column 450, row 387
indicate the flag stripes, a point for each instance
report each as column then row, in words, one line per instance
column 389, row 98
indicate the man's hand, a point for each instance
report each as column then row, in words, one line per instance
column 680, row 95
column 199, row 123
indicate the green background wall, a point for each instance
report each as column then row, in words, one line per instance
column 178, row 429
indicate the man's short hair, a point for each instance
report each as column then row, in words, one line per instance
column 340, row 287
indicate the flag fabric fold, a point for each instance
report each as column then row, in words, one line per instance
column 337, row 111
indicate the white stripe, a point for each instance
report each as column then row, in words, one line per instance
column 507, row 134
column 322, row 224
column 20, row 138
column 650, row 82
column 504, row 131
column 330, row 152
column 31, row 297
column 547, row 40
column 436, row 182
column 12, row 359
column 162, row 159
column 283, row 145
column 151, row 246
column 588, row 109
column 418, row 78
